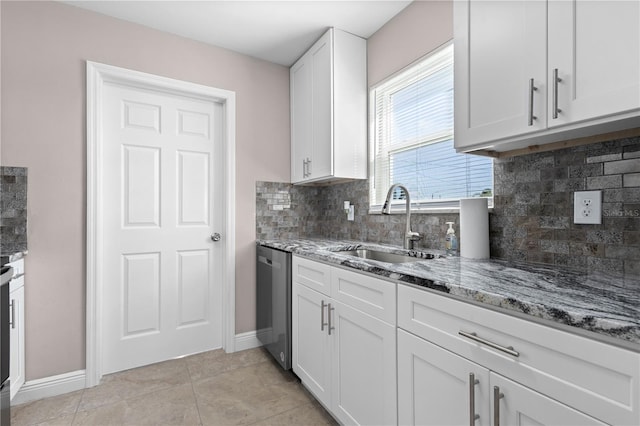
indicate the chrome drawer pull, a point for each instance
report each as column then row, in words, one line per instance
column 555, row 110
column 322, row 323
column 329, row 309
column 506, row 349
column 12, row 305
column 532, row 88
column 497, row 396
column 472, row 399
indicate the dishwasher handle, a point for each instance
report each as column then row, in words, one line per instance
column 269, row 262
column 264, row 260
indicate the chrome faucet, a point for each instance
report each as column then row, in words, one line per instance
column 409, row 237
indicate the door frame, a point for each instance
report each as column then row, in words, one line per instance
column 97, row 75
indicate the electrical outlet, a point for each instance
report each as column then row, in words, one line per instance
column 587, row 207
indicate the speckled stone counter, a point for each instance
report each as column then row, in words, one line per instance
column 598, row 303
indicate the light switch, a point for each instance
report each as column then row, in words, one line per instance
column 587, row 207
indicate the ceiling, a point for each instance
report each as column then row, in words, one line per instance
column 276, row 31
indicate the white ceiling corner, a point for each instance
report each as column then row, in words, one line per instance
column 275, row 31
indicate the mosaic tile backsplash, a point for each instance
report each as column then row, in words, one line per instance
column 532, row 219
column 13, row 210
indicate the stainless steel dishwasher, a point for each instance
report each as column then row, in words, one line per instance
column 273, row 303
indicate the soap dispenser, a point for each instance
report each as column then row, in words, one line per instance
column 451, row 241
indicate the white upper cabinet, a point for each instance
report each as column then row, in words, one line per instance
column 535, row 72
column 329, row 110
column 595, row 48
column 500, row 50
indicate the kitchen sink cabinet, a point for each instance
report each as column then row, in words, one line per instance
column 329, row 110
column 16, row 328
column 545, row 374
column 533, row 72
column 344, row 355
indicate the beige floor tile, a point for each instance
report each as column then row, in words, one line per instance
column 247, row 395
column 174, row 406
column 138, row 381
column 213, row 388
column 311, row 414
column 209, row 364
column 66, row 420
column 48, row 409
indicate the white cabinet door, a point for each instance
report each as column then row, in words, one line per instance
column 311, row 350
column 311, row 112
column 516, row 405
column 500, row 47
column 301, row 117
column 16, row 332
column 322, row 101
column 364, row 367
column 329, row 110
column 434, row 385
column 595, row 48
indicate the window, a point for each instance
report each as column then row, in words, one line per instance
column 412, row 140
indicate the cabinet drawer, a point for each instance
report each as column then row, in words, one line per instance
column 593, row 377
column 16, row 283
column 313, row 274
column 371, row 295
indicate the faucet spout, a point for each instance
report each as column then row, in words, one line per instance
column 409, row 236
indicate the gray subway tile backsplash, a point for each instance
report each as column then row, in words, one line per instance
column 532, row 218
column 13, row 210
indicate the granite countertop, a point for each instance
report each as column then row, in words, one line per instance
column 12, row 256
column 598, row 303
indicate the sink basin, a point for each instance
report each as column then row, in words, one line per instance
column 381, row 256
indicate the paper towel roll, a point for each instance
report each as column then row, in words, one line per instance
column 474, row 228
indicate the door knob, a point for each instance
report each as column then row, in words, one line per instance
column 215, row 237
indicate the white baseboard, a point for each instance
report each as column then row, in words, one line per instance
column 50, row 386
column 248, row 340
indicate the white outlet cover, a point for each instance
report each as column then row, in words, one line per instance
column 587, row 207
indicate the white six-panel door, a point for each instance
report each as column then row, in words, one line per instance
column 162, row 291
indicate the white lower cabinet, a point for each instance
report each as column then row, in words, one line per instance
column 434, row 385
column 311, row 342
column 438, row 387
column 448, row 362
column 527, row 373
column 16, row 328
column 346, row 357
column 364, row 368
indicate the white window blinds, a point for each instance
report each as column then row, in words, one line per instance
column 412, row 139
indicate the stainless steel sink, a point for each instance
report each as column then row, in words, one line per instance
column 381, row 256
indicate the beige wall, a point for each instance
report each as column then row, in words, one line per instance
column 418, row 29
column 44, row 49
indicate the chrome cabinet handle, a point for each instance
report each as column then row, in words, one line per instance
column 322, row 323
column 472, row 399
column 497, row 396
column 306, row 167
column 12, row 306
column 506, row 349
column 329, row 309
column 215, row 237
column 556, row 80
column 532, row 88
